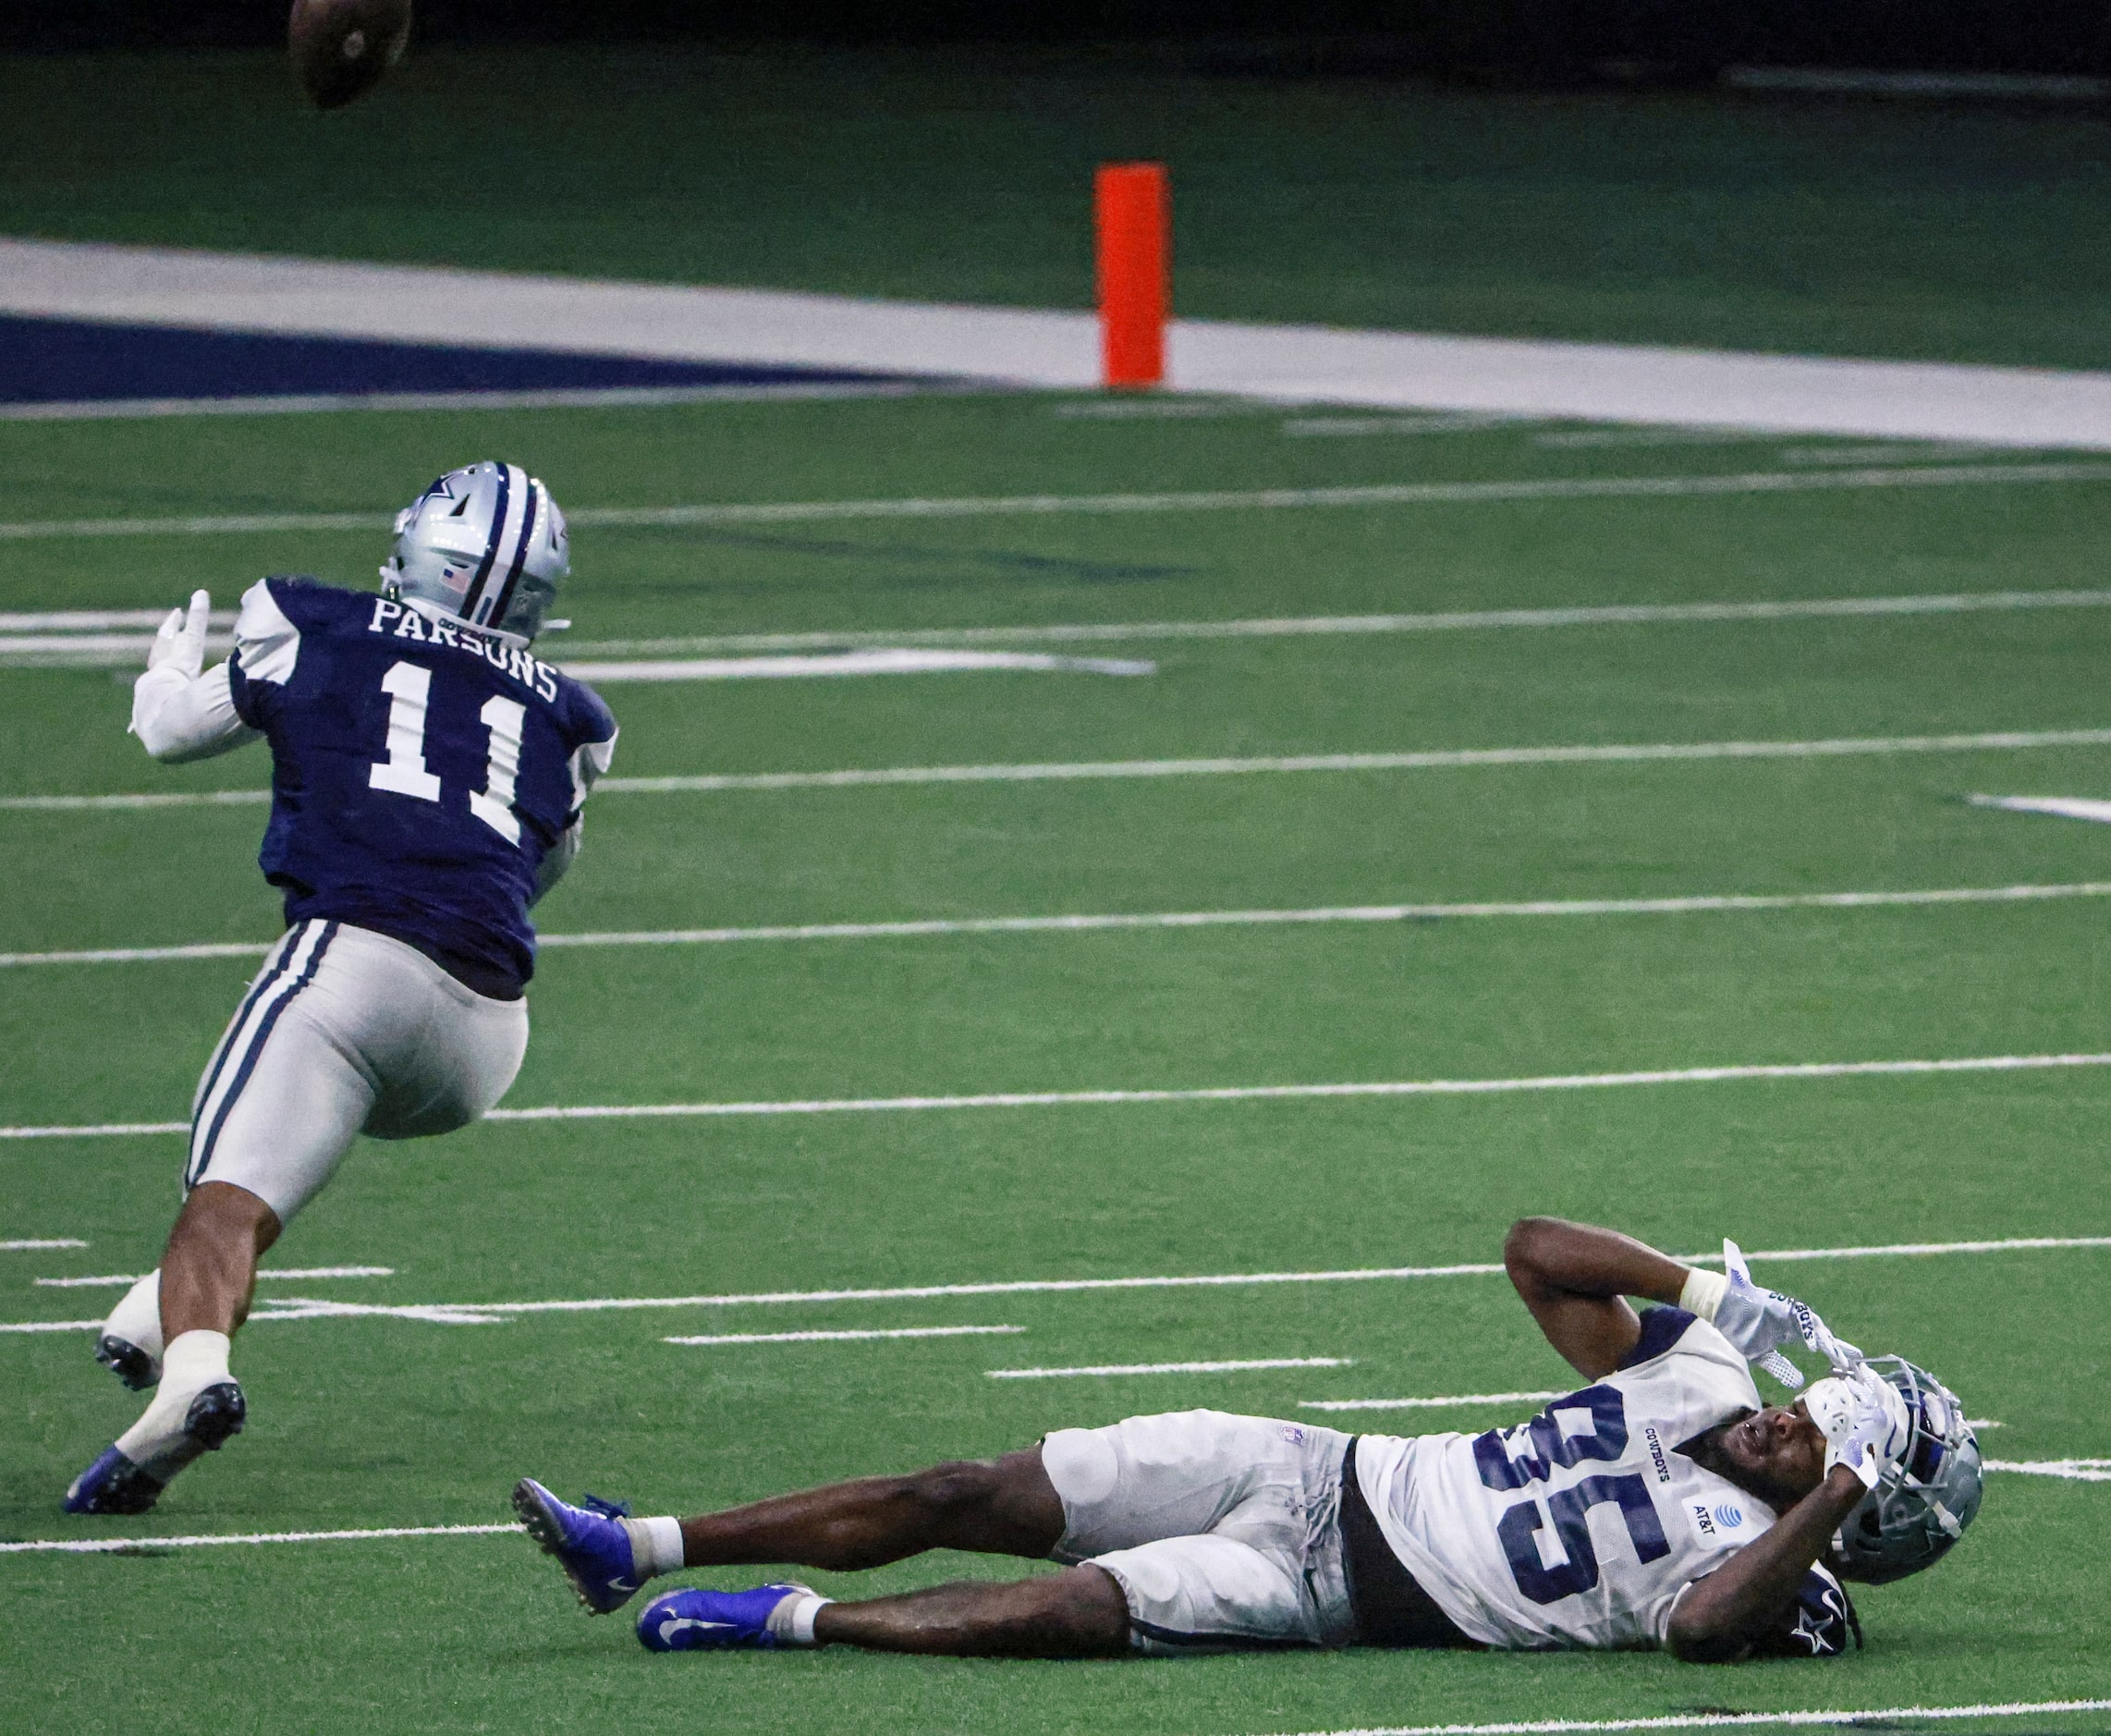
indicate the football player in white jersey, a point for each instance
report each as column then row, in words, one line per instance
column 1663, row 1505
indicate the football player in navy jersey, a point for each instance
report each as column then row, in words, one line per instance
column 1662, row 1505
column 428, row 772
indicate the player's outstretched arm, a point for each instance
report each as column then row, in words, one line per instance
column 180, row 710
column 1718, row 1619
column 1575, row 1278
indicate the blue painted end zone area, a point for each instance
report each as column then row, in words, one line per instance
column 54, row 361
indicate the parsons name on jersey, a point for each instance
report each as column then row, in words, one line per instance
column 422, row 771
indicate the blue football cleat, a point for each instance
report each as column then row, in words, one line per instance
column 112, row 1485
column 115, row 1484
column 590, row 1546
column 714, row 1620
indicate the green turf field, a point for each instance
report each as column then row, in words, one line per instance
column 377, row 1422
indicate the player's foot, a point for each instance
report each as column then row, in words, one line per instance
column 714, row 1620
column 116, row 1484
column 138, row 1369
column 589, row 1540
column 112, row 1485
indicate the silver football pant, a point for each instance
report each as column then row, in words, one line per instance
column 344, row 1032
column 1224, row 1532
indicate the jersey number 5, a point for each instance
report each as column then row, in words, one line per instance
column 1548, row 1446
column 410, row 688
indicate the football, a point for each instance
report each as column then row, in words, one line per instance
column 340, row 48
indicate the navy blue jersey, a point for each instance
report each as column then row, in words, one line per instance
column 420, row 770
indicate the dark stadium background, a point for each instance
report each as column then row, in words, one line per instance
column 1534, row 39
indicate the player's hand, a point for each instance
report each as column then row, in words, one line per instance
column 1758, row 1321
column 1864, row 1421
column 179, row 642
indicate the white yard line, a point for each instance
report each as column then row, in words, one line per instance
column 50, row 1325
column 113, row 1546
column 845, row 1336
column 1428, row 622
column 1169, row 1368
column 2073, row 1469
column 1426, row 1404
column 266, row 1275
column 1430, row 759
column 1204, row 1093
column 1066, row 1286
column 35, row 1245
column 1715, row 1720
column 837, row 664
column 1098, row 506
column 1697, row 904
column 2063, row 807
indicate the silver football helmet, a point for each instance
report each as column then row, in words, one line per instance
column 486, row 544
column 1922, row 1504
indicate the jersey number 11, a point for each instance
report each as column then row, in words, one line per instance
column 410, row 688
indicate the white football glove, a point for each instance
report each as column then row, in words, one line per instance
column 1863, row 1418
column 179, row 642
column 1758, row 1321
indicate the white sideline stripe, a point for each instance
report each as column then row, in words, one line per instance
column 1204, row 1094
column 1201, row 500
column 113, row 1279
column 37, row 1246
column 1064, row 1286
column 1712, row 1720
column 2031, row 406
column 836, row 665
column 1432, row 759
column 1425, row 1404
column 113, row 1546
column 863, row 1333
column 1669, row 906
column 1170, row 1368
column 1441, row 622
column 2065, row 807
column 2073, row 1469
column 552, row 398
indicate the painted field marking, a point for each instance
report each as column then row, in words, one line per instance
column 909, row 660
column 118, row 1546
column 553, row 398
column 1329, row 626
column 2074, row 1470
column 1713, row 1720
column 1206, row 1093
column 1382, row 913
column 860, row 1332
column 38, row 1246
column 1065, row 1286
column 1169, row 1368
column 1426, row 1404
column 115, row 1281
column 1430, row 759
column 1203, row 500
column 2063, row 807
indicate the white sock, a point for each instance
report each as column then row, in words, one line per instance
column 137, row 1317
column 655, row 1545
column 193, row 1361
column 793, row 1619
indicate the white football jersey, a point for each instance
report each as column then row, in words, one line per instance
column 1580, row 1527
